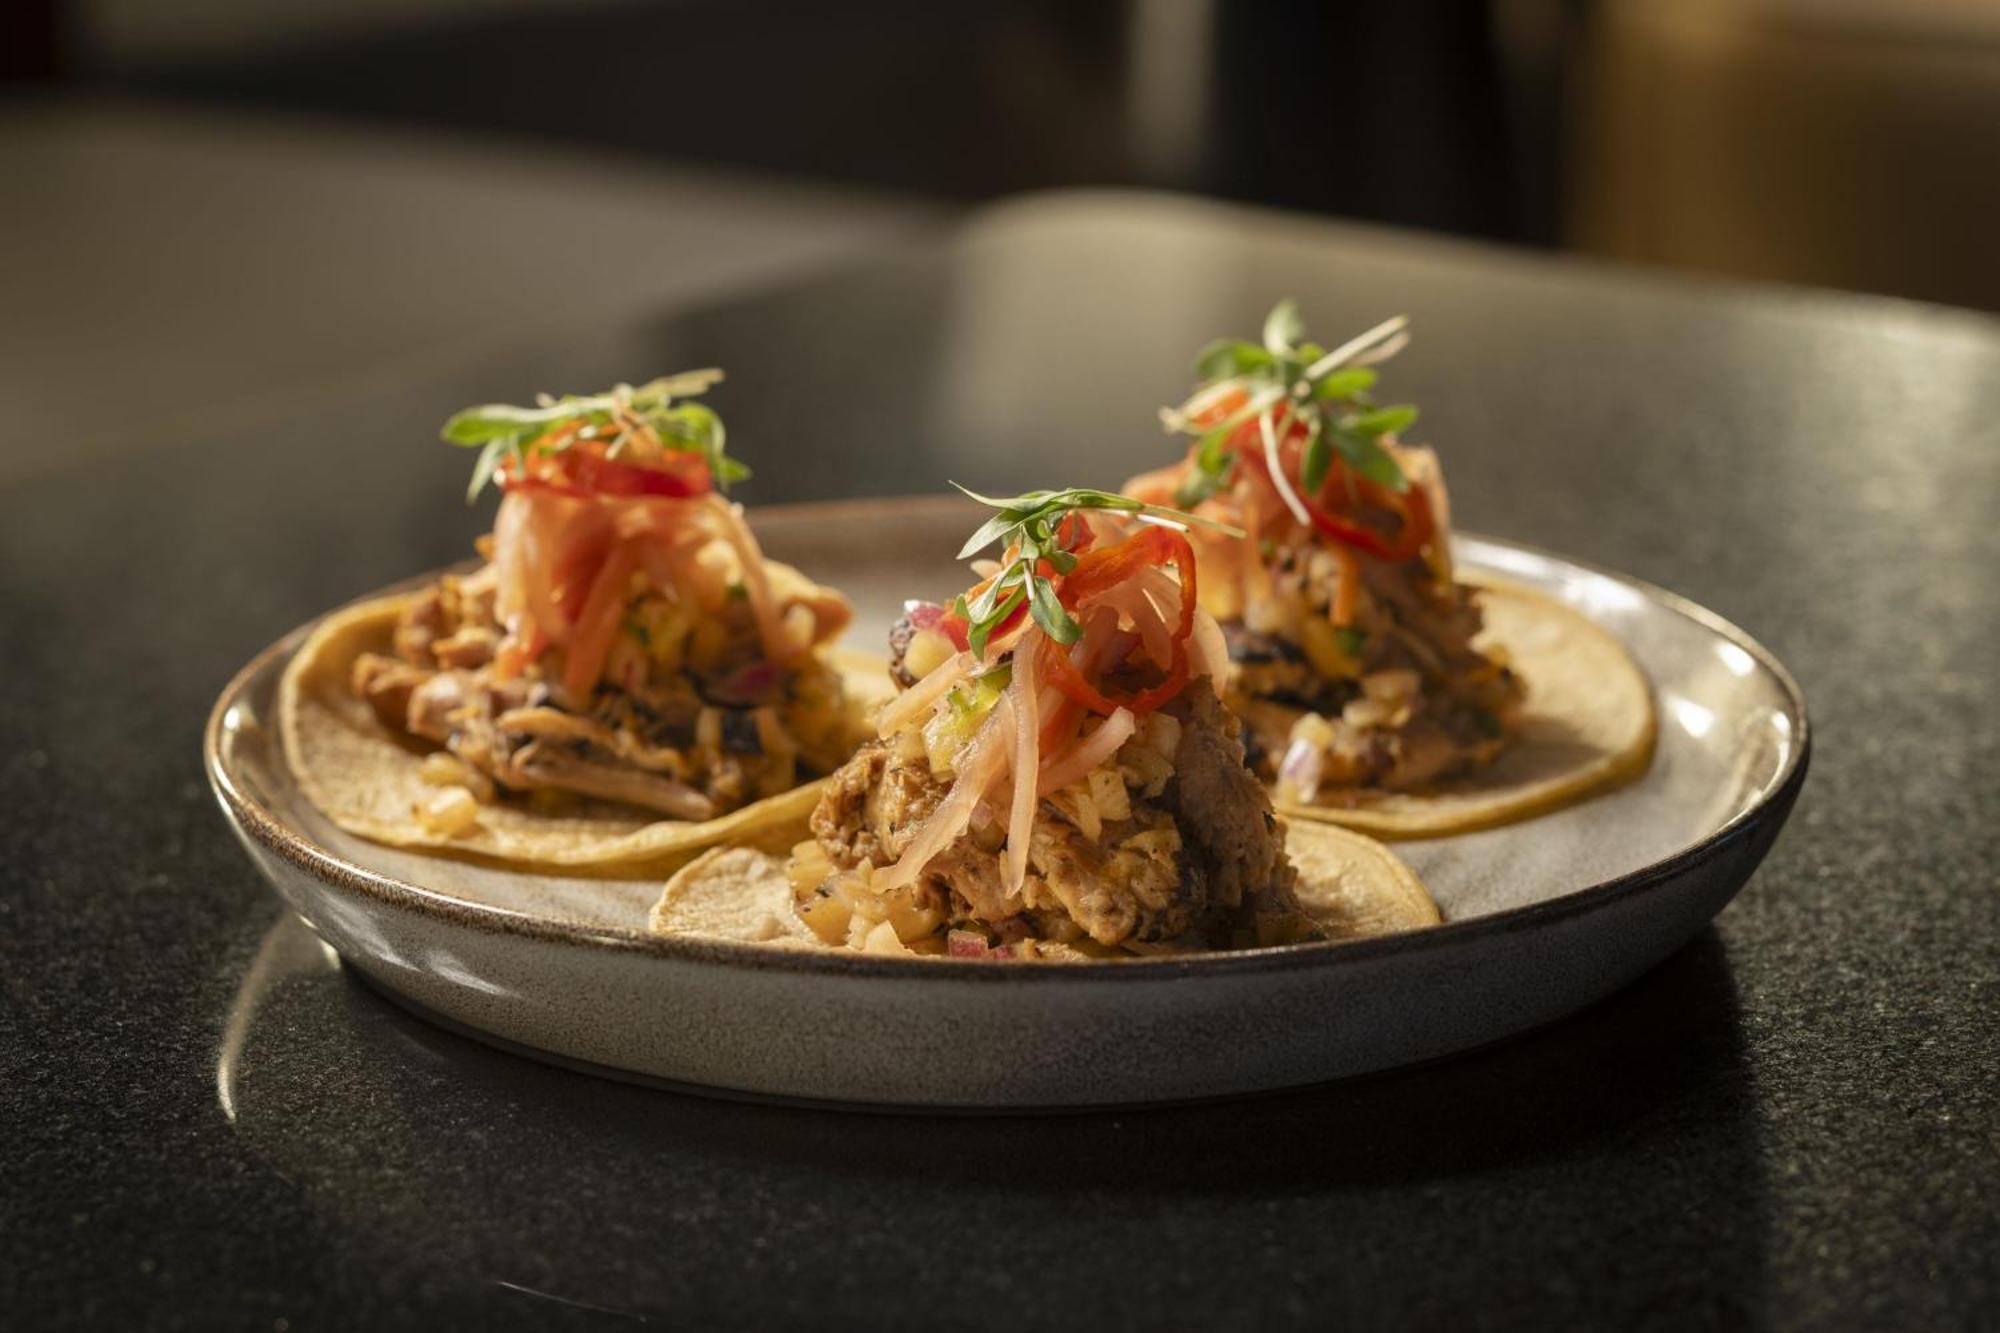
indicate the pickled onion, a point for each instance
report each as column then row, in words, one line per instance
column 1024, row 713
column 978, row 765
column 1090, row 753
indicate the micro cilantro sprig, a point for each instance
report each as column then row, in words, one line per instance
column 656, row 409
column 1329, row 391
column 1028, row 529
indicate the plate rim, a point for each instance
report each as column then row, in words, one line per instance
column 294, row 846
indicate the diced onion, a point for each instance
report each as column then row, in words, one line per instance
column 966, row 944
column 1299, row 773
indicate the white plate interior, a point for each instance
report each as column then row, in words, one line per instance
column 1729, row 728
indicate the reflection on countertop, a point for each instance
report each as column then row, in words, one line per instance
column 441, row 1161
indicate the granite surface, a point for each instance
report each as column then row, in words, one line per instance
column 205, row 1123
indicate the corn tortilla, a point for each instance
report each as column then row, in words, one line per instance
column 1350, row 885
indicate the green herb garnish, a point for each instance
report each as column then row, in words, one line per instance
column 1351, row 640
column 1028, row 529
column 1328, row 391
column 500, row 431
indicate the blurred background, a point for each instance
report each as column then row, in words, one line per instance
column 221, row 207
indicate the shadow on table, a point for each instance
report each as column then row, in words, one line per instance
column 1626, row 1130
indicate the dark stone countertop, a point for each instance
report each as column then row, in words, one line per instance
column 204, row 1123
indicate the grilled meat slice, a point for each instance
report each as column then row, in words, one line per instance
column 451, row 621
column 1134, row 884
column 1443, row 623
column 1455, row 721
column 867, row 806
column 386, row 685
column 530, row 748
column 1224, row 812
column 1439, row 740
column 1268, row 666
column 546, row 764
column 1248, row 645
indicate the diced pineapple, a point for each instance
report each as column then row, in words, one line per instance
column 882, row 938
column 444, row 769
column 826, row 913
column 943, row 738
column 666, row 628
column 965, row 708
column 928, row 651
column 808, row 867
column 1313, row 728
column 911, row 922
column 1321, row 642
column 714, row 569
column 451, row 813
column 1365, row 713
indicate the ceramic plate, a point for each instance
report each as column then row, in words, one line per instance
column 1541, row 917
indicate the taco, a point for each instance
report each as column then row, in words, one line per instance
column 625, row 677
column 1057, row 779
column 1377, row 689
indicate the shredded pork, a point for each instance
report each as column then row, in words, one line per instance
column 658, row 735
column 1412, row 703
column 1183, row 850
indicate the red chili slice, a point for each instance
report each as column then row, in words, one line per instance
column 576, row 569
column 1060, row 672
column 1104, row 569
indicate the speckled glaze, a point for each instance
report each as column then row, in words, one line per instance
column 1542, row 917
